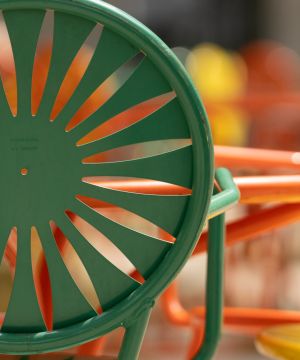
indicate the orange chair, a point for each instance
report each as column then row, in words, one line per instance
column 284, row 189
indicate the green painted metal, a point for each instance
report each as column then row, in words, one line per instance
column 135, row 330
column 214, row 288
column 227, row 197
column 55, row 170
column 221, row 201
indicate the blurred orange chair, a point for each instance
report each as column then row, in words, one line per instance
column 283, row 189
column 273, row 72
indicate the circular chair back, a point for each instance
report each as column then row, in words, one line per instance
column 50, row 171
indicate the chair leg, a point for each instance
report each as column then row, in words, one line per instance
column 134, row 336
column 214, row 288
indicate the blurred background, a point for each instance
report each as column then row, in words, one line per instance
column 244, row 58
column 229, row 23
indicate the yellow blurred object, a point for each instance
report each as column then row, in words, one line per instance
column 217, row 73
column 221, row 77
column 280, row 342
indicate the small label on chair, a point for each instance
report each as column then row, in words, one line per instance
column 24, row 144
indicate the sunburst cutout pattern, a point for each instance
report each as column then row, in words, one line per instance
column 87, row 105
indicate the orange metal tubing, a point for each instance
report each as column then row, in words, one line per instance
column 255, row 224
column 254, row 102
column 247, row 320
column 240, row 157
column 254, row 189
column 264, row 189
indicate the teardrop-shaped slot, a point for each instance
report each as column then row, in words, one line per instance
column 127, row 218
column 8, row 69
column 104, row 245
column 135, row 185
column 42, row 61
column 76, row 71
column 7, row 270
column 127, row 118
column 75, row 267
column 41, row 278
column 138, row 151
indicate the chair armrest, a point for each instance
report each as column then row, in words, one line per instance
column 228, row 196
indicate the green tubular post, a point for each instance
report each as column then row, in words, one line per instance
column 214, row 288
column 220, row 202
column 134, row 336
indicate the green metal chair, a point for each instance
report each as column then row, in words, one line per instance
column 43, row 176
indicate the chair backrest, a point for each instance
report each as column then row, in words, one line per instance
column 49, row 174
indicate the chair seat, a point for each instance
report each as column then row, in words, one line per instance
column 280, row 342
